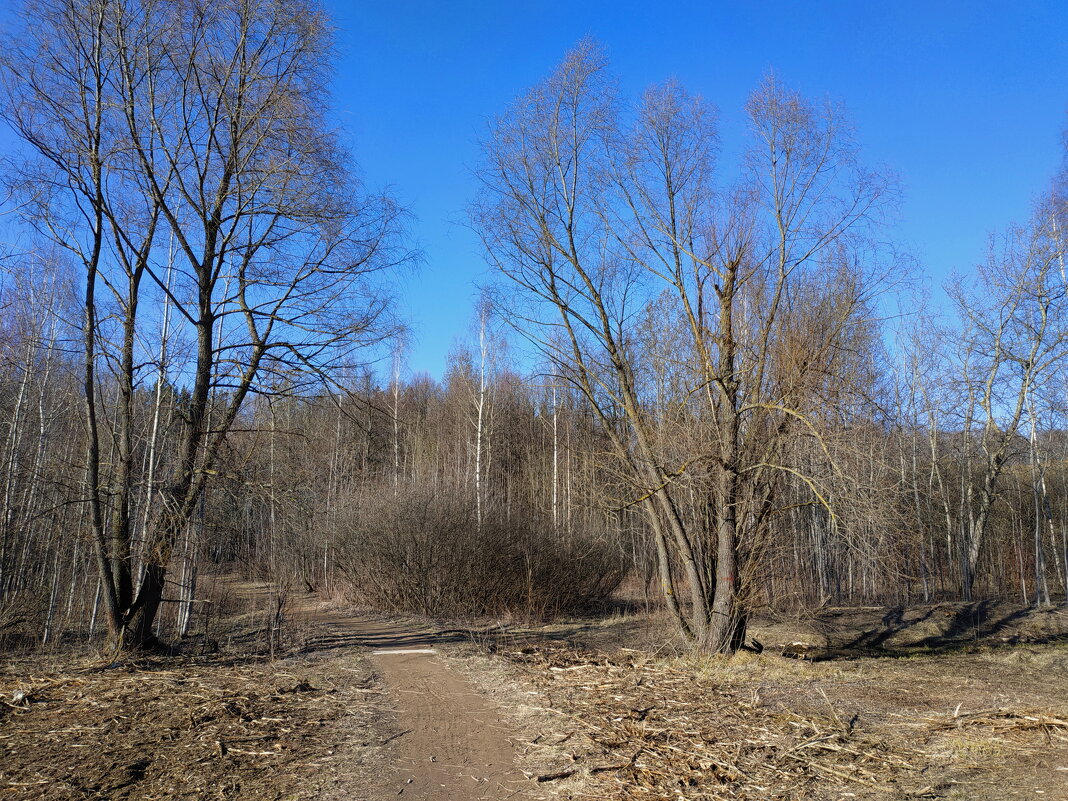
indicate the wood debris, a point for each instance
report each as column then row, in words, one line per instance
column 181, row 728
column 648, row 730
column 1049, row 723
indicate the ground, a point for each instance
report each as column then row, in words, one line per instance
column 945, row 701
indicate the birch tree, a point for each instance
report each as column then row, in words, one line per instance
column 1015, row 338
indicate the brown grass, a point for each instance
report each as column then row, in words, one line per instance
column 642, row 728
column 230, row 725
column 621, row 717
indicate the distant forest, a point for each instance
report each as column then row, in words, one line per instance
column 726, row 396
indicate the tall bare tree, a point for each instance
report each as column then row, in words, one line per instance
column 204, row 122
column 598, row 215
column 1015, row 338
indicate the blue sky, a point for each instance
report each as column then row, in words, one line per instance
column 965, row 101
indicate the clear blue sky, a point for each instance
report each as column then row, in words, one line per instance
column 966, row 101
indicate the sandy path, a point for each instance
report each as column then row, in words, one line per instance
column 451, row 744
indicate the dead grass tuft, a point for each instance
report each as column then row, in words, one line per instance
column 1052, row 725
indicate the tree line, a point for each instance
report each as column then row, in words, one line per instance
column 690, row 377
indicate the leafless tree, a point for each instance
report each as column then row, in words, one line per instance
column 1015, row 339
column 198, row 126
column 593, row 214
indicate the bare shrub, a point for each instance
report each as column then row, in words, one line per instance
column 278, row 597
column 423, row 551
column 22, row 617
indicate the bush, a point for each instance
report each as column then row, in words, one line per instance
column 422, row 551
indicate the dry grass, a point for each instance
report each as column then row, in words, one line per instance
column 642, row 728
column 598, row 720
column 629, row 725
column 1051, row 724
column 616, row 709
column 207, row 727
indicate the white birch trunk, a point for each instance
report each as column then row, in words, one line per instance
column 481, row 409
column 556, row 463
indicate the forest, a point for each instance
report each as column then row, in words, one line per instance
column 719, row 389
column 736, row 395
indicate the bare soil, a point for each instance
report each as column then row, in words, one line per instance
column 447, row 742
column 322, row 716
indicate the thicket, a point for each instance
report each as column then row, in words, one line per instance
column 370, row 496
column 427, row 553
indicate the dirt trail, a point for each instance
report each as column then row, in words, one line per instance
column 451, row 743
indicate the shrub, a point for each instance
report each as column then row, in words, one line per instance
column 422, row 551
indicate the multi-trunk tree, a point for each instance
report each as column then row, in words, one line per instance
column 1013, row 347
column 601, row 217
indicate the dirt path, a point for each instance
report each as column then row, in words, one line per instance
column 451, row 743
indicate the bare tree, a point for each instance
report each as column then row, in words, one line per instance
column 597, row 216
column 205, row 122
column 1015, row 337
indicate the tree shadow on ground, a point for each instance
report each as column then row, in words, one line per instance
column 941, row 629
column 381, row 632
